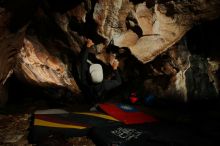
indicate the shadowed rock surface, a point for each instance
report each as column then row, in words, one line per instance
column 41, row 43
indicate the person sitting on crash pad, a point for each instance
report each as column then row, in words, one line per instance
column 92, row 76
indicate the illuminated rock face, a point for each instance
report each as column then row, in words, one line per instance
column 159, row 27
column 41, row 43
column 37, row 65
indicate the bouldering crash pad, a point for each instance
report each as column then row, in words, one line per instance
column 74, row 124
column 126, row 113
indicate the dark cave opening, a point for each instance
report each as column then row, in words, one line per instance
column 198, row 114
column 204, row 39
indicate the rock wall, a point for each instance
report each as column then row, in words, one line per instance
column 36, row 64
column 41, row 43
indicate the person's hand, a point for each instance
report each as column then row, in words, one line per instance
column 115, row 64
column 112, row 58
column 89, row 43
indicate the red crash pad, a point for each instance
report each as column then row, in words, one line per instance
column 126, row 113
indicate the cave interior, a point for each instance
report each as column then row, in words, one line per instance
column 178, row 81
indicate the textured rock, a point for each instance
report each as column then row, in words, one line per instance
column 158, row 28
column 199, row 84
column 180, row 60
column 10, row 47
column 110, row 17
column 181, row 76
column 213, row 68
column 74, row 39
column 170, row 73
column 139, row 32
column 10, row 43
column 37, row 65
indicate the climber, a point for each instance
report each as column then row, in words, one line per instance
column 93, row 84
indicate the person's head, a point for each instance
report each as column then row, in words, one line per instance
column 96, row 73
